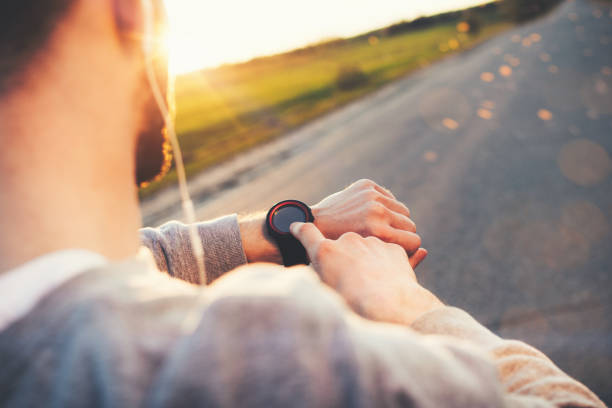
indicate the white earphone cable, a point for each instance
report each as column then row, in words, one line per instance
column 187, row 203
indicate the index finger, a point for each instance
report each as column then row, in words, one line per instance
column 308, row 234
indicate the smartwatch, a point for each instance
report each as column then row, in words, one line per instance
column 279, row 219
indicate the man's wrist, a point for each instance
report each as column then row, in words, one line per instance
column 421, row 303
column 316, row 214
column 257, row 243
column 410, row 302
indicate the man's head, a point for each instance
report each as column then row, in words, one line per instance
column 26, row 30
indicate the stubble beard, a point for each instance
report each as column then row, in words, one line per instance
column 153, row 149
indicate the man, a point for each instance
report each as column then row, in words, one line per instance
column 86, row 317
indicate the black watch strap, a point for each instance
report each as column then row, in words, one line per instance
column 278, row 222
column 292, row 251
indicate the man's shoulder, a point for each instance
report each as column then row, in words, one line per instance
column 112, row 300
column 116, row 322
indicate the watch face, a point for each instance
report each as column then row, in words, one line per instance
column 287, row 215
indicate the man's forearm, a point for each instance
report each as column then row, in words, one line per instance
column 525, row 373
column 170, row 245
column 258, row 245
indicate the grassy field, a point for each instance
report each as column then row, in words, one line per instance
column 227, row 110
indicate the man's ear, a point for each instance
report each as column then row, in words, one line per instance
column 129, row 20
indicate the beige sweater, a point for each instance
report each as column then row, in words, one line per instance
column 126, row 335
column 526, row 376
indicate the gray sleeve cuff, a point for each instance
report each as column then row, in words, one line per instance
column 173, row 254
column 223, row 250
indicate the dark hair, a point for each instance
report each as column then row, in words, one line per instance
column 25, row 29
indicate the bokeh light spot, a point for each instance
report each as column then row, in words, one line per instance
column 584, row 162
column 373, row 40
column 545, row 57
column 487, row 77
column 587, row 218
column 606, row 71
column 596, row 94
column 485, row 113
column 505, row 71
column 545, row 114
column 516, row 38
column 512, row 60
column 453, row 44
column 553, row 69
column 450, row 123
column 430, row 156
column 601, row 87
column 526, row 42
column 463, row 27
column 535, row 37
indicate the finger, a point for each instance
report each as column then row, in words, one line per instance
column 309, row 235
column 418, row 257
column 395, row 205
column 400, row 221
column 384, row 191
column 407, row 240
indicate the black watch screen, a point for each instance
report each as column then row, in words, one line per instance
column 279, row 219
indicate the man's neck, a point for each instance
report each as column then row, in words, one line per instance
column 58, row 190
column 42, row 216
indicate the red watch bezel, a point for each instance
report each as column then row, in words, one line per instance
column 287, row 203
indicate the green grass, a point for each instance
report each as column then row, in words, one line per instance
column 225, row 111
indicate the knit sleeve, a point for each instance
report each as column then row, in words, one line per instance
column 528, row 377
column 171, row 248
column 275, row 337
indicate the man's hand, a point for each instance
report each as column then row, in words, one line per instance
column 375, row 278
column 364, row 207
column 369, row 210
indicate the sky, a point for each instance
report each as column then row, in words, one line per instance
column 205, row 34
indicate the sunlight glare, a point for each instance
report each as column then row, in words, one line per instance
column 205, row 34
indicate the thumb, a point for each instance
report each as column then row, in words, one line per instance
column 309, row 235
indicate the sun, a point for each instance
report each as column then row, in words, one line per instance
column 202, row 35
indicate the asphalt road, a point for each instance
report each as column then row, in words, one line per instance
column 503, row 156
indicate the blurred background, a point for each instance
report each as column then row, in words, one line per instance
column 492, row 121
